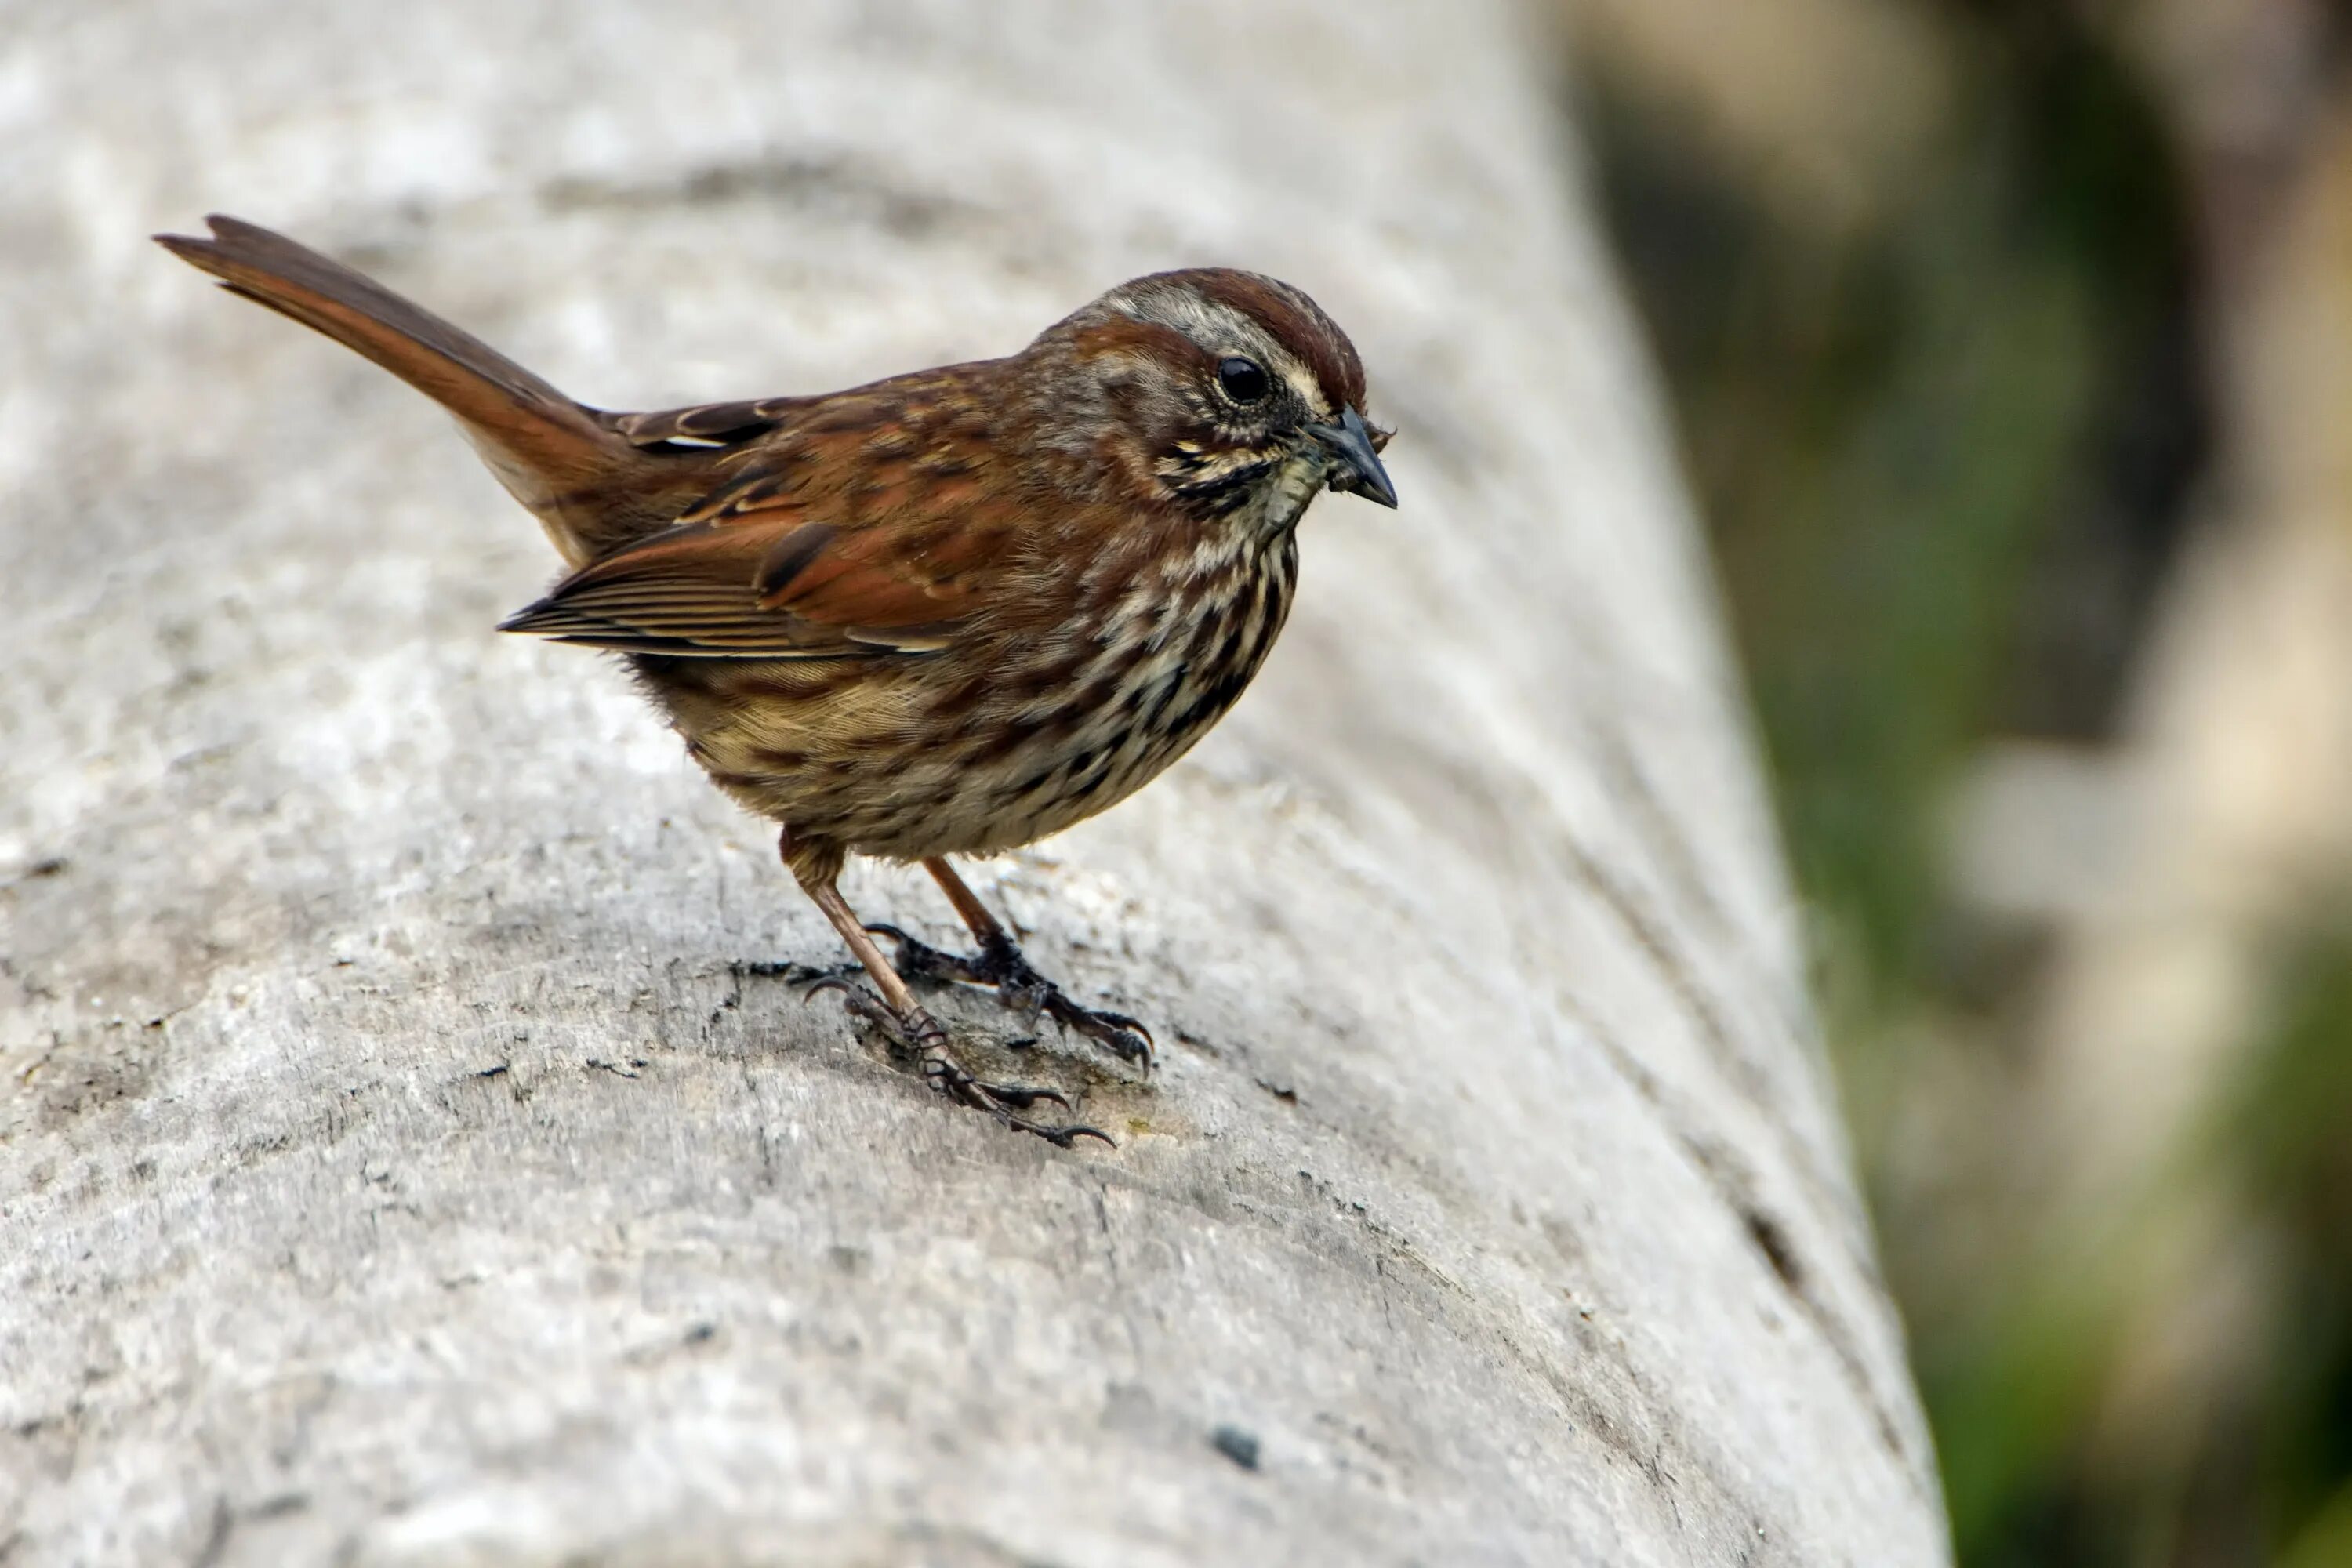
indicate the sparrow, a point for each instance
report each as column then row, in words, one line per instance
column 944, row 614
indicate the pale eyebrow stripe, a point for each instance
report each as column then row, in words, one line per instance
column 1302, row 381
column 1213, row 320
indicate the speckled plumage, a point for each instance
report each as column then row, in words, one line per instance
column 948, row 612
column 1016, row 734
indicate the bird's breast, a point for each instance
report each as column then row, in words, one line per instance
column 1133, row 693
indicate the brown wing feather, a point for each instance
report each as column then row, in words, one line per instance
column 858, row 528
column 720, row 423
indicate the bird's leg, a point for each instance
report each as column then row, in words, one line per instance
column 999, row 963
column 897, row 1013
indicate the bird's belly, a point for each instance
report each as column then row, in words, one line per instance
column 967, row 752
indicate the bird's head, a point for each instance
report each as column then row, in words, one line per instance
column 1229, row 394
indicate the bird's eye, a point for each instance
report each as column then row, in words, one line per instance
column 1244, row 380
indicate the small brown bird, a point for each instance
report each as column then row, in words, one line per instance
column 945, row 614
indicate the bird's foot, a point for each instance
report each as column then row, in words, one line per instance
column 999, row 963
column 922, row 1037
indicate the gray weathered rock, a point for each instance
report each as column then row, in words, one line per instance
column 405, row 1156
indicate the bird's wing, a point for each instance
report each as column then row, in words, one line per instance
column 704, row 424
column 866, row 525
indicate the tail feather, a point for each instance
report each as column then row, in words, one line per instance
column 589, row 486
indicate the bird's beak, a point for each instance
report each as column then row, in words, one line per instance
column 1358, row 451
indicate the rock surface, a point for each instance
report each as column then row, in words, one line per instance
column 414, row 1149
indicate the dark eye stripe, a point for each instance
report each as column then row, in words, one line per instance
column 1221, row 490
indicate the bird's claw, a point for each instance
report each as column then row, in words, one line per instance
column 1020, row 1098
column 922, row 1035
column 1004, row 1101
column 858, row 1001
column 999, row 964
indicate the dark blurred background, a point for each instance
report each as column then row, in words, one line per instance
column 2011, row 342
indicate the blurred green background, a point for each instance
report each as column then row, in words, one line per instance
column 2011, row 342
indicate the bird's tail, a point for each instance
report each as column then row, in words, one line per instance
column 590, row 487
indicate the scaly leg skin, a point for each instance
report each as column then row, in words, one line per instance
column 999, row 963
column 897, row 1012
